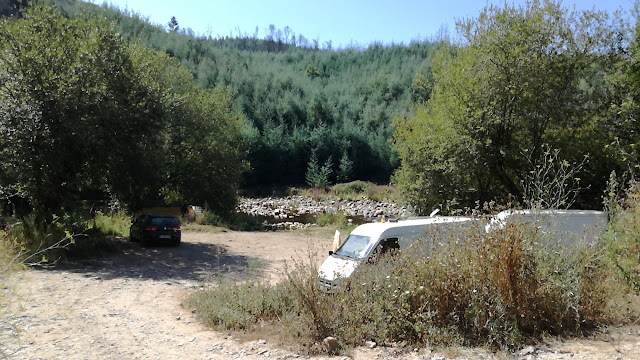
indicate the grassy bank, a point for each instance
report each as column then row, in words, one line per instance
column 355, row 190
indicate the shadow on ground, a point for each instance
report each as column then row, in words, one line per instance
column 189, row 261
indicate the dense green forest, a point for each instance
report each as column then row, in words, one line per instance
column 320, row 115
column 535, row 104
column 301, row 100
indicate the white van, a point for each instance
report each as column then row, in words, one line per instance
column 380, row 237
column 564, row 227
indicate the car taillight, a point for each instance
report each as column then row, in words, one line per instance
column 151, row 228
column 176, row 228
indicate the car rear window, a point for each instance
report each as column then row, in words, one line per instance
column 164, row 222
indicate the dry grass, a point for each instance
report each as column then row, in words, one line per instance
column 502, row 290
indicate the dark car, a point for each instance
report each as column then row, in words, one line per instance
column 156, row 229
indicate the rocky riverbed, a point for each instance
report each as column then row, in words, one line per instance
column 300, row 211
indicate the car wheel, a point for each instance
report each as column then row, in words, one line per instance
column 177, row 242
column 132, row 238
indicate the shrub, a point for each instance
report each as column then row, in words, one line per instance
column 333, row 218
column 68, row 236
column 296, row 307
column 497, row 290
column 114, row 223
column 623, row 238
column 234, row 305
column 356, row 190
column 235, row 221
column 208, row 217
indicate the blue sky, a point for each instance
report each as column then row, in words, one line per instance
column 341, row 21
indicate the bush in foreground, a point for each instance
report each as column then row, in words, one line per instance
column 501, row 290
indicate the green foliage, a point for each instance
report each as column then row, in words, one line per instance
column 62, row 100
column 345, row 168
column 358, row 189
column 297, row 301
column 501, row 290
column 72, row 235
column 333, row 218
column 237, row 307
column 296, row 96
column 624, row 107
column 623, row 237
column 208, row 217
column 352, row 189
column 82, row 110
column 12, row 7
column 172, row 25
column 318, row 176
column 114, row 224
column 490, row 106
column 236, row 222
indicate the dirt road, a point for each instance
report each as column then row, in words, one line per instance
column 129, row 306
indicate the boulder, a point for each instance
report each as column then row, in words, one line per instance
column 331, row 344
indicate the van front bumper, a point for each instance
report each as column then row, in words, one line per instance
column 325, row 285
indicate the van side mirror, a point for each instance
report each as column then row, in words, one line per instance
column 330, row 252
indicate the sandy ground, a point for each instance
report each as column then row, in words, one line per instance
column 129, row 306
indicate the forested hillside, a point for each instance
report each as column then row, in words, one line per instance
column 302, row 100
column 534, row 104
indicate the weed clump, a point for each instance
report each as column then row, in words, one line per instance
column 622, row 240
column 333, row 218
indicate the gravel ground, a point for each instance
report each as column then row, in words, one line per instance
column 129, row 306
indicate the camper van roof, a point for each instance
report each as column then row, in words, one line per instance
column 376, row 230
column 507, row 213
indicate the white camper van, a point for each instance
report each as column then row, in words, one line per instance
column 380, row 237
column 556, row 227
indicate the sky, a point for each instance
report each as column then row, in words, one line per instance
column 343, row 22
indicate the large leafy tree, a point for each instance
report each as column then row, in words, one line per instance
column 524, row 79
column 624, row 115
column 81, row 109
column 69, row 100
column 200, row 150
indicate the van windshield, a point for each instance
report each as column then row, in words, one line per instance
column 355, row 246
